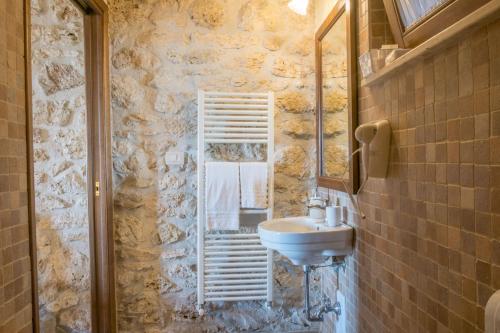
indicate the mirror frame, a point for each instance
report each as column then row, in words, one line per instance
column 349, row 8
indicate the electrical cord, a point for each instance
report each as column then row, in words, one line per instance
column 354, row 201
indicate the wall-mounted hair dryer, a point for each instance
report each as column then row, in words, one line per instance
column 375, row 138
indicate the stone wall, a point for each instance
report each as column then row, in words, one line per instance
column 15, row 268
column 161, row 53
column 60, row 156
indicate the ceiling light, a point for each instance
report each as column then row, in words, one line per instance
column 299, row 6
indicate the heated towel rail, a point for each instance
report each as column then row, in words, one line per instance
column 234, row 266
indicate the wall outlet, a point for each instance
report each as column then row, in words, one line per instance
column 174, row 158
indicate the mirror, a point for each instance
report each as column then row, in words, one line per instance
column 336, row 100
column 61, row 168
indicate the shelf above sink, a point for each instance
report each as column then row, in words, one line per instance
column 474, row 20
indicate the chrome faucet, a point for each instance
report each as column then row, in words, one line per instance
column 316, row 205
column 327, row 307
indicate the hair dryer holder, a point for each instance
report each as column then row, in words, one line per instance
column 375, row 137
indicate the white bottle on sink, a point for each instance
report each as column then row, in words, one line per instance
column 334, row 214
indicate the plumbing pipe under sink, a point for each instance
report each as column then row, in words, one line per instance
column 326, row 304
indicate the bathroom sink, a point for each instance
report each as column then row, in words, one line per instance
column 306, row 241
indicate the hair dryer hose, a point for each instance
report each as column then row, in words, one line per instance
column 355, row 202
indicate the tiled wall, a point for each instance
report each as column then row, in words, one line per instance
column 427, row 256
column 372, row 25
column 15, row 294
column 379, row 28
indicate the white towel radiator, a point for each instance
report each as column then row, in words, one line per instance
column 234, row 266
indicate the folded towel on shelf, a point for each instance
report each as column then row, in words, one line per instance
column 253, row 179
column 222, row 196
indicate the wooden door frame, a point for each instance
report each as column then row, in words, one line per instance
column 100, row 200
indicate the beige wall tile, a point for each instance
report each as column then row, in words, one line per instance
column 15, row 295
column 447, row 178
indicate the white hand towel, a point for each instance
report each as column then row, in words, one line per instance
column 253, row 179
column 222, row 196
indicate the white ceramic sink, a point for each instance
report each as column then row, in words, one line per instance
column 305, row 241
